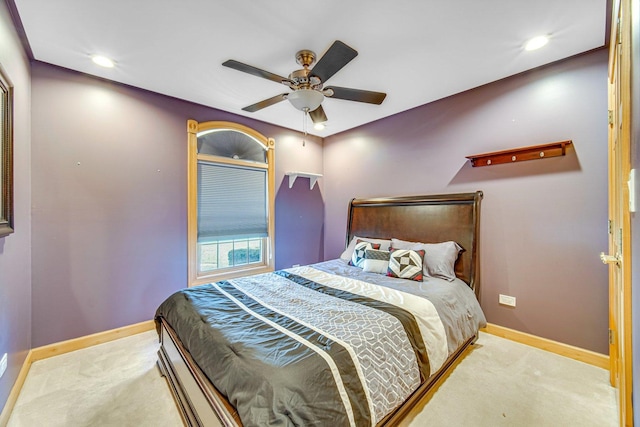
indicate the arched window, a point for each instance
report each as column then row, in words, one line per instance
column 231, row 201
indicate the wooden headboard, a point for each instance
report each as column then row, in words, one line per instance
column 427, row 219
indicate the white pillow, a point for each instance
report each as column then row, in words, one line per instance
column 439, row 258
column 376, row 261
column 348, row 253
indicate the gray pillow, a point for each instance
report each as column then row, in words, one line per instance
column 439, row 258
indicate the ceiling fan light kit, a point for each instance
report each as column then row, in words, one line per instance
column 307, row 84
column 305, row 99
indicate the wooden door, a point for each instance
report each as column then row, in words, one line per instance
column 619, row 258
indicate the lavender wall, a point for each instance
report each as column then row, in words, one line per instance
column 543, row 222
column 109, row 201
column 15, row 255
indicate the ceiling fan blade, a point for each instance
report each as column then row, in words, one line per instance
column 254, row 71
column 318, row 115
column 265, row 103
column 338, row 55
column 355, row 94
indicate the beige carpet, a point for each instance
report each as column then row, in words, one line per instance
column 112, row 384
column 504, row 383
column 500, row 383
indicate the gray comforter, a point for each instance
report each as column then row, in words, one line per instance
column 326, row 344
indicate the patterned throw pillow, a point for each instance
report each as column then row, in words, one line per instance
column 406, row 264
column 376, row 261
column 348, row 252
column 358, row 252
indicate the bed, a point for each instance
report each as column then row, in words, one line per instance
column 337, row 342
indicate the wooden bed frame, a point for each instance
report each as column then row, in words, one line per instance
column 428, row 219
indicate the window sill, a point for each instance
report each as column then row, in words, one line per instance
column 226, row 275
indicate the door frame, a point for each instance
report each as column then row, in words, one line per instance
column 620, row 257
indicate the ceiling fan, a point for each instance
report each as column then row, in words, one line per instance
column 307, row 83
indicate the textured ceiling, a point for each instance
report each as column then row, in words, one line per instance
column 415, row 51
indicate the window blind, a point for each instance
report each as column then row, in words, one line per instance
column 232, row 202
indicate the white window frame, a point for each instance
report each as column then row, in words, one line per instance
column 196, row 276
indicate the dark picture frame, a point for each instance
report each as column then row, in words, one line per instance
column 6, row 154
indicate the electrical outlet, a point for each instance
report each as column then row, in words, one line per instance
column 507, row 300
column 3, row 364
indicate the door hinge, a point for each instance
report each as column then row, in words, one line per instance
column 619, row 27
column 611, row 337
column 610, row 115
column 610, row 225
column 620, row 239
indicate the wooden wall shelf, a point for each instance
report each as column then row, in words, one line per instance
column 533, row 152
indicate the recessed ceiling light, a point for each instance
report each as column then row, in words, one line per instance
column 102, row 61
column 318, row 126
column 536, row 43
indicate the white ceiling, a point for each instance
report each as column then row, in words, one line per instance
column 415, row 51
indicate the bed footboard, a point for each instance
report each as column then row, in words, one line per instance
column 197, row 399
column 203, row 406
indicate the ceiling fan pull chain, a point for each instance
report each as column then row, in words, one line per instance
column 304, row 126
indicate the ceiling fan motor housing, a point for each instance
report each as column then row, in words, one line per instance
column 303, row 80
